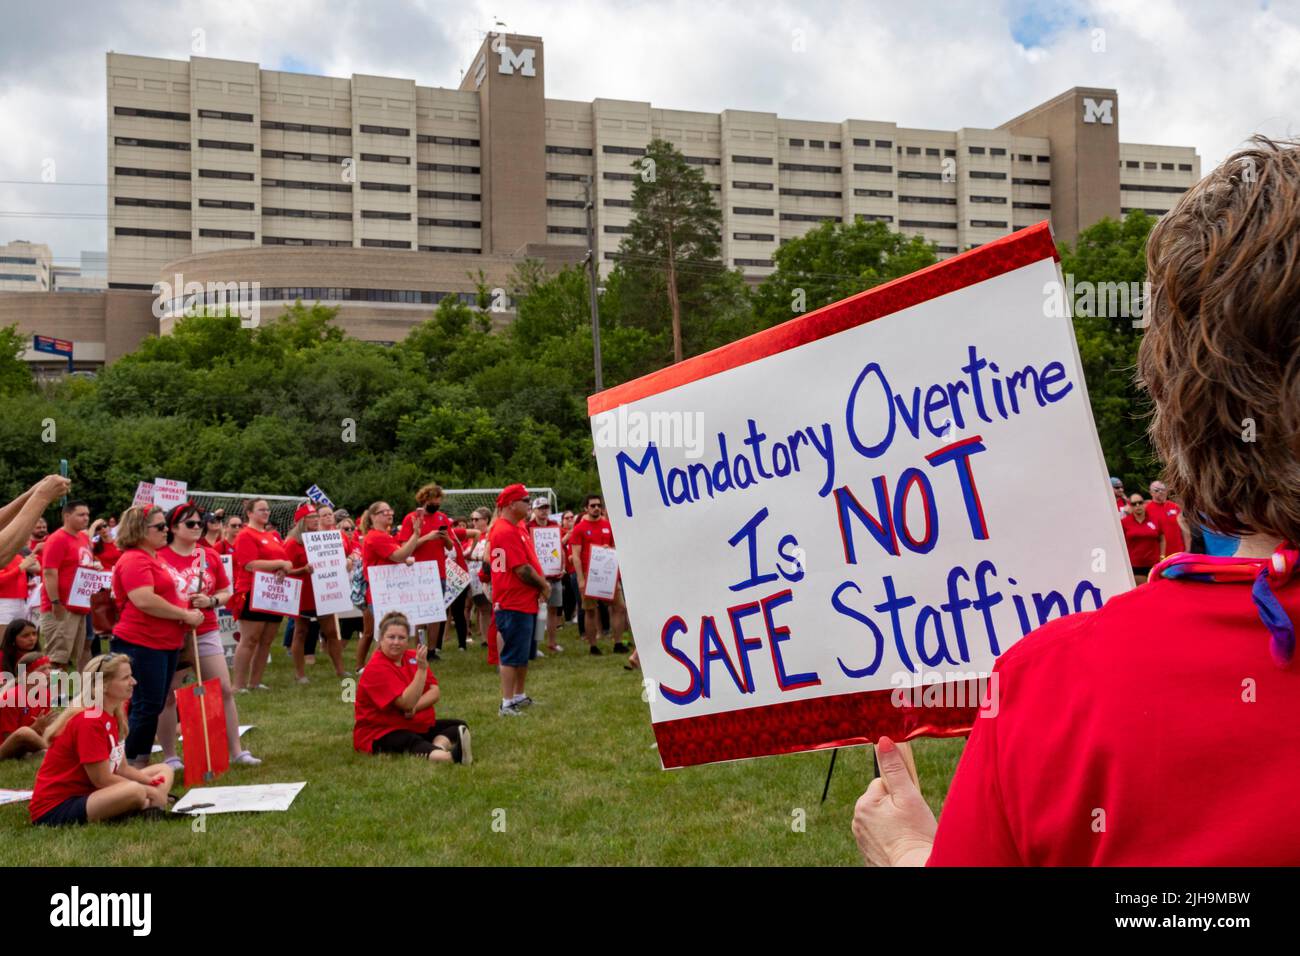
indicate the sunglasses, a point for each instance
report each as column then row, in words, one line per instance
column 158, row 527
column 192, row 524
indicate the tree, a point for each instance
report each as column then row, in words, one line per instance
column 15, row 376
column 676, row 231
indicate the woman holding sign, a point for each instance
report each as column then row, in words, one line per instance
column 202, row 580
column 309, row 624
column 153, row 619
column 380, row 547
column 1163, row 728
column 258, row 548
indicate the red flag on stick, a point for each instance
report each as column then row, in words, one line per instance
column 203, row 715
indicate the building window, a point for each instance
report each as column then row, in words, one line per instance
column 8, row 277
column 462, row 250
column 758, row 263
column 224, row 144
column 385, row 214
column 572, row 203
column 1148, row 165
column 918, row 174
column 884, row 143
column 1131, row 163
column 808, row 217
column 387, row 187
column 914, row 151
column 950, row 152
column 385, row 158
column 151, row 203
column 795, row 142
column 569, row 150
column 1025, row 158
column 150, row 143
column 753, row 160
column 225, row 234
column 618, row 230
column 225, row 204
column 745, row 184
column 1044, row 159
column 834, row 145
column 983, row 174
column 998, row 200
column 385, row 131
column 813, row 193
column 447, row 168
column 872, row 168
column 872, row 217
column 226, row 174
column 444, row 194
column 616, row 203
column 1169, row 166
column 877, row 193
column 1153, row 189
column 273, row 212
column 703, row 160
column 452, row 223
column 750, row 211
column 295, row 156
column 307, row 128
column 945, row 248
column 151, row 114
column 1185, row 167
column 619, row 177
column 1018, row 181
column 1031, row 205
column 997, row 151
column 753, row 237
column 226, row 115
column 18, row 260
column 816, row 144
column 301, row 184
column 151, row 233
column 567, row 230
column 622, row 150
column 988, row 223
column 464, row 141
column 151, row 173
column 862, row 142
column 925, row 224
column 566, row 177
column 932, row 200
column 809, row 168
column 290, row 241
column 385, row 243
column 975, row 150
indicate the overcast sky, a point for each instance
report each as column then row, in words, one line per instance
column 1204, row 74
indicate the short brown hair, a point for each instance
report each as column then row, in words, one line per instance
column 1221, row 354
column 431, row 490
column 394, row 619
column 133, row 527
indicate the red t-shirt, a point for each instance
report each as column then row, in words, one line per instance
column 461, row 537
column 1125, row 710
column 66, row 552
column 433, row 550
column 89, row 737
column 253, row 545
column 108, row 552
column 223, row 546
column 509, row 547
column 187, row 569
column 1167, row 513
column 377, row 548
column 1143, row 540
column 297, row 552
column 13, row 580
column 138, row 569
column 381, row 683
column 13, row 716
column 587, row 533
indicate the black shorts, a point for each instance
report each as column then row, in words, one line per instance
column 409, row 742
column 71, row 812
column 246, row 614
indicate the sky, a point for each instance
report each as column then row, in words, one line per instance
column 1191, row 73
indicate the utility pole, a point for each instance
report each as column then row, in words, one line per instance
column 591, row 280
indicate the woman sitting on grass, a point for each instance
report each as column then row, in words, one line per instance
column 85, row 777
column 24, row 717
column 19, row 638
column 395, row 698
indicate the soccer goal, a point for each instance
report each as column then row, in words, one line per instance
column 282, row 506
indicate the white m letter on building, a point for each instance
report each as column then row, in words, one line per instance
column 524, row 61
column 1093, row 112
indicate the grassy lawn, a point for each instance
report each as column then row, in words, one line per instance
column 575, row 781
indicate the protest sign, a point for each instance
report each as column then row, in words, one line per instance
column 329, row 576
column 167, row 494
column 318, row 497
column 457, row 581
column 546, row 542
column 830, row 530
column 257, row 798
column 228, row 563
column 602, row 573
column 275, row 597
column 86, row 583
column 413, row 589
column 14, row 796
column 143, row 495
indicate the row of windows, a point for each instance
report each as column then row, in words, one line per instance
column 385, row 243
column 226, row 115
column 18, row 260
column 446, row 140
column 387, row 187
column 292, row 241
column 873, row 217
column 567, row 177
column 806, row 217
column 619, row 230
column 622, row 150
column 932, row 200
column 1134, row 164
column 568, row 150
column 619, row 203
column 151, row 203
column 809, row 168
column 463, row 250
column 979, row 150
column 985, row 174
column 878, row 193
column 929, row 151
column 151, row 233
column 307, row 128
column 447, row 168
column 1021, row 181
column 224, row 204
column 1153, row 189
column 385, row 158
column 744, row 184
column 918, row 174
column 302, row 184
column 150, row 143
column 452, row 223
column 386, row 214
column 445, row 194
column 1031, row 205
column 945, row 248
column 814, row 143
column 814, row 193
column 753, row 236
column 872, row 168
column 880, row 143
column 753, row 160
column 1026, row 158
column 618, row 177
column 302, row 157
column 996, row 200
column 989, row 223
column 385, row 130
column 151, row 173
column 306, row 213
column 151, row 114
column 226, row 144
column 7, row 277
column 703, row 160
column 925, row 224
column 567, row 230
column 228, row 174
column 750, row 211
column 572, row 203
column 225, row 234
column 762, row 263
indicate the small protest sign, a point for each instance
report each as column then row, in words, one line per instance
column 272, row 596
column 546, row 542
column 602, row 573
column 86, row 583
column 329, row 577
column 413, row 589
column 167, row 494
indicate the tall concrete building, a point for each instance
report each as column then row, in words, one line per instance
column 26, row 267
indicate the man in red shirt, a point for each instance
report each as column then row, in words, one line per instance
column 1142, row 535
column 63, row 629
column 432, row 519
column 1169, row 515
column 593, row 529
column 518, row 592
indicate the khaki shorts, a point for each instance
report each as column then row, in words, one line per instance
column 65, row 639
column 590, row 604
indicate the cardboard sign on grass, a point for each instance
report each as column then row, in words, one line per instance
column 330, row 580
column 86, row 583
column 275, row 597
column 830, row 530
column 413, row 589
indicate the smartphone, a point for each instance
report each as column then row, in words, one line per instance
column 420, row 637
column 63, row 473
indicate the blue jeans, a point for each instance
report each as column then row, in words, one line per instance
column 516, row 630
column 152, row 670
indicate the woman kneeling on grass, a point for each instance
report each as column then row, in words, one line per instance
column 84, row 777
column 395, row 698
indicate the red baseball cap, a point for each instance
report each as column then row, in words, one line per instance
column 510, row 494
column 304, row 509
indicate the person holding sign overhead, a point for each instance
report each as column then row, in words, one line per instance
column 593, row 529
column 379, row 547
column 517, row 588
column 202, row 580
column 258, row 548
column 153, row 619
column 1162, row 729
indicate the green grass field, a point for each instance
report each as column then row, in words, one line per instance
column 574, row 781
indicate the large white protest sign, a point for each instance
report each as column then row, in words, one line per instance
column 413, row 589
column 228, row 563
column 167, row 494
column 602, row 573
column 546, row 542
column 886, row 494
column 272, row 596
column 457, row 580
column 330, row 581
column 86, row 583
column 257, row 798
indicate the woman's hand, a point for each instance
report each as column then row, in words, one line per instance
column 193, row 618
column 892, row 822
column 409, row 560
column 422, row 658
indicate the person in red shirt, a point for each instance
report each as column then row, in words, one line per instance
column 395, row 699
column 431, row 518
column 153, row 617
column 200, row 579
column 231, row 525
column 308, row 626
column 83, row 778
column 25, row 715
column 462, row 539
column 1096, row 751
column 541, row 518
column 257, row 549
column 63, row 629
column 479, row 590
column 19, row 638
column 40, row 532
column 518, row 588
column 13, row 586
column 594, row 529
column 1142, row 534
column 378, row 547
column 1170, row 515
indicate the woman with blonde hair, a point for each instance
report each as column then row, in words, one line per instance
column 84, row 777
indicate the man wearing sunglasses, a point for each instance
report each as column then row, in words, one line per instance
column 593, row 530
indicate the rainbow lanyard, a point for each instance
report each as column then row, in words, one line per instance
column 1266, row 573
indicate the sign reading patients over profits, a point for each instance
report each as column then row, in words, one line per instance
column 891, row 492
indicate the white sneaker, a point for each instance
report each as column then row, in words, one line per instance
column 175, row 763
column 302, row 680
column 246, row 759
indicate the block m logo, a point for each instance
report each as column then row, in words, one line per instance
column 523, row 60
column 1094, row 112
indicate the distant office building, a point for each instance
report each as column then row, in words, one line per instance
column 25, row 267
